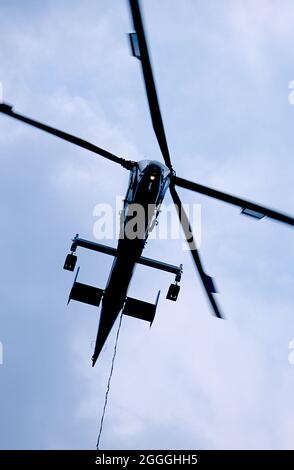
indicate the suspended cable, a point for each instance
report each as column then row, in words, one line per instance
column 108, row 384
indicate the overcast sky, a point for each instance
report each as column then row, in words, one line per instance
column 192, row 381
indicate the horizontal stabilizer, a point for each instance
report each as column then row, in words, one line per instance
column 140, row 309
column 86, row 294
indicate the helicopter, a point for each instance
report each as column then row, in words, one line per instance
column 148, row 184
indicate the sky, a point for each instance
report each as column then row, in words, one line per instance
column 191, row 381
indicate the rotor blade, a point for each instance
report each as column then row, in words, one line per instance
column 248, row 206
column 143, row 55
column 7, row 109
column 207, row 281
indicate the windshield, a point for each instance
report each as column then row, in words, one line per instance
column 142, row 164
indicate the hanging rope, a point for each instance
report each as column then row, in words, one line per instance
column 108, row 384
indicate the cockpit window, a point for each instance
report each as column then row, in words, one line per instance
column 165, row 171
column 143, row 164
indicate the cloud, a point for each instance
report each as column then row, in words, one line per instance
column 191, row 381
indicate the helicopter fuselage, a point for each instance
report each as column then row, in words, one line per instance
column 149, row 181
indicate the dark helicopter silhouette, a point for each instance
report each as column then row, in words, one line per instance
column 148, row 184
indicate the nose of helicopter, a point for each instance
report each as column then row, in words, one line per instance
column 154, row 172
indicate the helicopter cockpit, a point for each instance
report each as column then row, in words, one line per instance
column 149, row 181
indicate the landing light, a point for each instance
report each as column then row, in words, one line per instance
column 152, row 177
